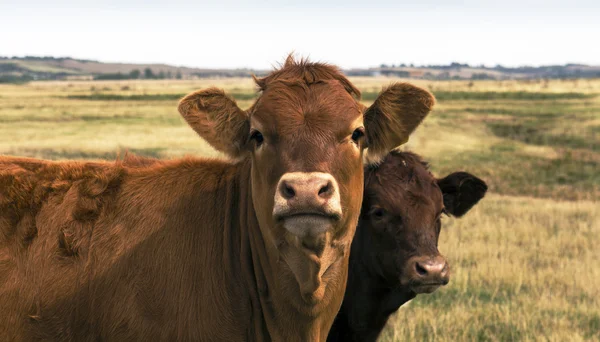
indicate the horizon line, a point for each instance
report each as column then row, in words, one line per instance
column 379, row 65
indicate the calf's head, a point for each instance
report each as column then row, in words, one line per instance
column 401, row 220
column 304, row 139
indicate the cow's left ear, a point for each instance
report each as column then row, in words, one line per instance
column 461, row 191
column 217, row 119
column 394, row 115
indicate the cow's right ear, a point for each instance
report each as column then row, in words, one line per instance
column 217, row 119
column 461, row 191
column 394, row 115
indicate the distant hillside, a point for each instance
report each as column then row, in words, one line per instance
column 28, row 68
column 24, row 69
column 465, row 71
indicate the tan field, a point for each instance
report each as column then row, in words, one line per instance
column 524, row 261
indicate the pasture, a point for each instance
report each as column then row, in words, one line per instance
column 524, row 261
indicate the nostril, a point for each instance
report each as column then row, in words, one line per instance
column 287, row 191
column 422, row 271
column 325, row 191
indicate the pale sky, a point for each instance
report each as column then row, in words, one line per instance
column 258, row 34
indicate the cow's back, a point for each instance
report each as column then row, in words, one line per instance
column 115, row 251
column 47, row 211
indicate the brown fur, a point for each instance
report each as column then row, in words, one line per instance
column 216, row 130
column 307, row 73
column 391, row 129
column 186, row 249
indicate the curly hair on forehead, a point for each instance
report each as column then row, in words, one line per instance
column 306, row 72
column 397, row 164
column 396, row 157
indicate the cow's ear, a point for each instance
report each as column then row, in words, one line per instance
column 217, row 119
column 461, row 191
column 394, row 115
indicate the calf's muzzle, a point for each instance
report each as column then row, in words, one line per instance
column 427, row 273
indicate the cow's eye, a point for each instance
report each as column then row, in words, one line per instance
column 378, row 213
column 357, row 134
column 257, row 137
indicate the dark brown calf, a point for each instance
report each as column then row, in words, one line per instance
column 253, row 248
column 394, row 253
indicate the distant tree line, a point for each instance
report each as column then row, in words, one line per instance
column 549, row 71
column 136, row 74
column 149, row 74
column 15, row 79
column 453, row 65
column 11, row 71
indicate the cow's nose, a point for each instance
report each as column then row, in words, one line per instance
column 316, row 188
column 432, row 269
column 307, row 202
column 429, row 272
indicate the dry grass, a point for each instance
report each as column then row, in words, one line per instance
column 524, row 260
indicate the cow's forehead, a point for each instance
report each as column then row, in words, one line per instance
column 404, row 185
column 285, row 107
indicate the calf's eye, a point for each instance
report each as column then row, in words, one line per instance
column 378, row 213
column 257, row 137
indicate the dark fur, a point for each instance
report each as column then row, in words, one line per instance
column 413, row 200
column 186, row 249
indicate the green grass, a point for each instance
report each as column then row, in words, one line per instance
column 117, row 97
column 511, row 172
column 148, row 97
column 62, row 154
column 496, row 95
column 542, row 148
column 536, row 133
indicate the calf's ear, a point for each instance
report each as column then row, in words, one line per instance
column 217, row 119
column 461, row 191
column 394, row 115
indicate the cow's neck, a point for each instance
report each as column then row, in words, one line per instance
column 272, row 285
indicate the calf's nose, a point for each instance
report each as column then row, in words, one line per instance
column 431, row 270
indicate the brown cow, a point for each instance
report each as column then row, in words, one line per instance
column 394, row 253
column 201, row 249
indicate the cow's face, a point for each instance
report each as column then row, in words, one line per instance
column 305, row 137
column 401, row 220
column 306, row 150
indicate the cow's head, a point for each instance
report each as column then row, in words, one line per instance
column 401, row 220
column 304, row 137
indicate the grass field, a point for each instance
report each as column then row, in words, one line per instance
column 524, row 261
